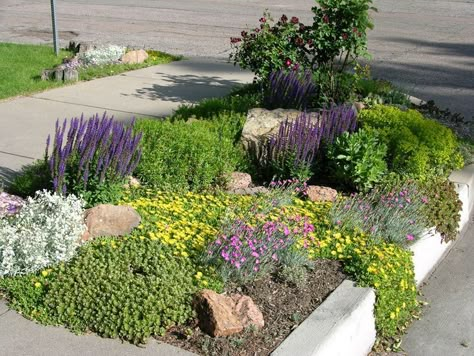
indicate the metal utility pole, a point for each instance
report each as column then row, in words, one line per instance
column 55, row 30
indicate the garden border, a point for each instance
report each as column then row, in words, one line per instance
column 344, row 323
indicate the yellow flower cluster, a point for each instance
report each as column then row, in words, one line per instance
column 188, row 222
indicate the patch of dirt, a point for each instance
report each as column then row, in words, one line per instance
column 284, row 307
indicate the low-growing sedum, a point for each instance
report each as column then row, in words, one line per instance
column 47, row 230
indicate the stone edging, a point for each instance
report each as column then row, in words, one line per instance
column 344, row 324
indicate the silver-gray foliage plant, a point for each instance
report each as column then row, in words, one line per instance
column 46, row 231
column 102, row 55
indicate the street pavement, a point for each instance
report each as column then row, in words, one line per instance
column 424, row 46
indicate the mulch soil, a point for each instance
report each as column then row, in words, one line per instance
column 284, row 307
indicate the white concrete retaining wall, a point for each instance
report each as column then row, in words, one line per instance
column 342, row 325
column 430, row 250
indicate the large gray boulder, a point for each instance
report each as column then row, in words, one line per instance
column 262, row 124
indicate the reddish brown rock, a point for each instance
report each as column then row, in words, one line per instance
column 319, row 193
column 110, row 220
column 134, row 57
column 239, row 180
column 247, row 311
column 215, row 314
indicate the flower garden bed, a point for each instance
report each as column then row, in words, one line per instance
column 283, row 247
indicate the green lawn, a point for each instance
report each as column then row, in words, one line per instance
column 21, row 67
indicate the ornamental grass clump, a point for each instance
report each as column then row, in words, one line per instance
column 289, row 90
column 392, row 214
column 93, row 157
column 292, row 152
column 46, row 230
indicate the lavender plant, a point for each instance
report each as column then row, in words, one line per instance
column 292, row 152
column 391, row 214
column 289, row 90
column 93, row 157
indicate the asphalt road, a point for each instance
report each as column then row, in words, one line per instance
column 425, row 46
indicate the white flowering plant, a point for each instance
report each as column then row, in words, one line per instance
column 47, row 230
column 102, row 55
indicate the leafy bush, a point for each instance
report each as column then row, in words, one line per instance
column 94, row 159
column 338, row 32
column 357, row 160
column 443, row 208
column 32, row 177
column 102, row 55
column 129, row 289
column 392, row 214
column 195, row 155
column 45, row 231
column 209, row 108
column 289, row 90
column 373, row 92
column 292, row 151
column 418, row 147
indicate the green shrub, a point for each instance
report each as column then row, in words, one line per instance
column 417, row 147
column 32, row 177
column 130, row 289
column 191, row 155
column 239, row 101
column 357, row 160
column 443, row 207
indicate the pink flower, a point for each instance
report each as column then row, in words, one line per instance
column 255, row 254
column 275, row 257
column 410, row 237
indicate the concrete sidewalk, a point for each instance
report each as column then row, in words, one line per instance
column 446, row 326
column 21, row 337
column 25, row 122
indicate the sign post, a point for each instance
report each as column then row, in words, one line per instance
column 55, row 30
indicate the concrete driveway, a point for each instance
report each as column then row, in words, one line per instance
column 425, row 46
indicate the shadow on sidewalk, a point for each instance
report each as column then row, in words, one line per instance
column 189, row 88
column 6, row 176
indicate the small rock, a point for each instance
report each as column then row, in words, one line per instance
column 110, row 220
column 319, row 193
column 215, row 314
column 84, row 47
column 10, row 204
column 239, row 180
column 134, row 57
column 132, row 183
column 358, row 105
column 247, row 311
column 249, row 191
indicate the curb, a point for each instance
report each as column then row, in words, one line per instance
column 344, row 324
